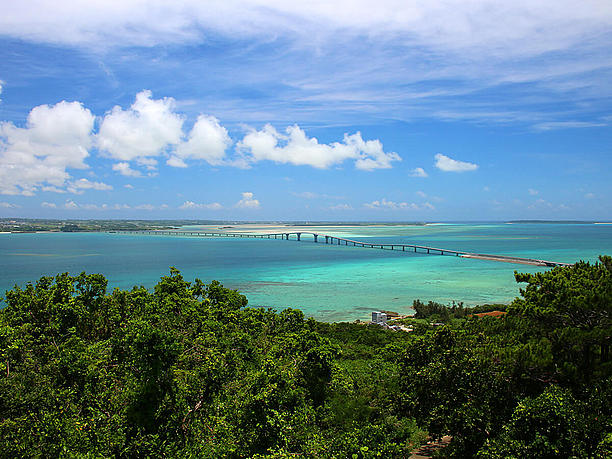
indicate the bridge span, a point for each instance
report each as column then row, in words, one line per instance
column 334, row 240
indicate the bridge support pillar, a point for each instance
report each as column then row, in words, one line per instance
column 316, row 236
column 299, row 236
column 326, row 239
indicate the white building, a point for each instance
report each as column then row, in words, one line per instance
column 379, row 317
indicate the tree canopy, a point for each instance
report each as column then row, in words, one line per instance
column 187, row 369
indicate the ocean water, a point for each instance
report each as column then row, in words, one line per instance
column 327, row 282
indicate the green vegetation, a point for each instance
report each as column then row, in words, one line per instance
column 188, row 371
column 28, row 225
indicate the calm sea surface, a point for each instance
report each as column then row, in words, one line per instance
column 327, row 282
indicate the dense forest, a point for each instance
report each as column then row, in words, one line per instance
column 187, row 370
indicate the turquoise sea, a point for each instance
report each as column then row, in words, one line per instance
column 327, row 282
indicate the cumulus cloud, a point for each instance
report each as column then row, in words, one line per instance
column 84, row 184
column 418, row 172
column 52, row 189
column 385, row 204
column 145, row 130
column 533, row 192
column 174, row 161
column 125, row 169
column 195, row 205
column 300, row 150
column 48, row 205
column 248, row 201
column 446, row 164
column 8, row 205
column 207, row 141
column 56, row 138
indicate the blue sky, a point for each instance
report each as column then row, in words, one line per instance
column 253, row 110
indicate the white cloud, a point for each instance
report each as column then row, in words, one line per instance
column 125, row 169
column 174, row 161
column 121, row 207
column 53, row 189
column 84, row 184
column 148, row 163
column 8, row 205
column 589, row 195
column 545, row 41
column 194, row 205
column 48, row 205
column 421, row 194
column 94, row 206
column 306, row 195
column 552, row 125
column 56, row 138
column 446, row 164
column 418, row 172
column 486, row 189
column 298, row 149
column 384, row 204
column 533, row 192
column 145, row 130
column 128, row 186
column 71, row 205
column 341, row 207
column 208, row 141
column 517, row 27
column 248, row 201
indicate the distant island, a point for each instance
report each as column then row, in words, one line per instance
column 31, row 225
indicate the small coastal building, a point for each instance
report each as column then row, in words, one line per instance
column 379, row 318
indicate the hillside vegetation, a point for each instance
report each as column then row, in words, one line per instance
column 187, row 370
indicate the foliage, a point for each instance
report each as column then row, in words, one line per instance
column 437, row 312
column 553, row 424
column 533, row 383
column 188, row 370
column 185, row 370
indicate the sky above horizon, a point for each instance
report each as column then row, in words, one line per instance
column 275, row 110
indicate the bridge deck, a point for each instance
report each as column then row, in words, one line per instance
column 327, row 239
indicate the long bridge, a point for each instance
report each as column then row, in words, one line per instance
column 334, row 240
